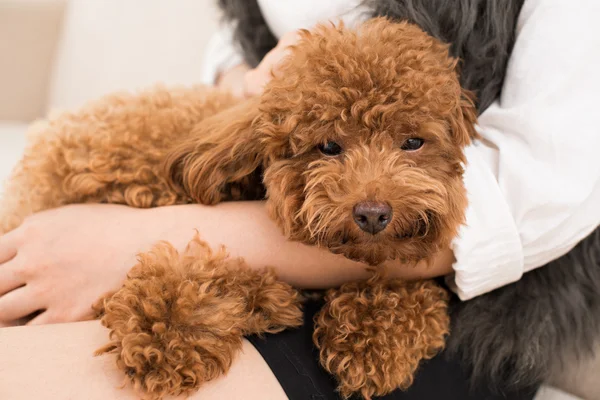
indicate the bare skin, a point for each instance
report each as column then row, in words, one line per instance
column 66, row 368
column 98, row 244
column 247, row 82
column 86, row 251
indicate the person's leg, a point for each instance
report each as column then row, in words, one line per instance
column 295, row 362
column 57, row 362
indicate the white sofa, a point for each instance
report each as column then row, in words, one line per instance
column 61, row 53
column 57, row 54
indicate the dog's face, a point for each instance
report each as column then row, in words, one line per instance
column 361, row 141
column 364, row 133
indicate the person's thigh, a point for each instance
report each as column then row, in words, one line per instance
column 57, row 362
column 294, row 360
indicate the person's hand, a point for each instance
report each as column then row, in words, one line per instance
column 61, row 261
column 233, row 80
column 256, row 79
column 245, row 82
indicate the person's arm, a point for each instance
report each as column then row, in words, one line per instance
column 86, row 250
column 534, row 179
column 247, row 231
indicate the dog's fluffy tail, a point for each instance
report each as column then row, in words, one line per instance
column 521, row 335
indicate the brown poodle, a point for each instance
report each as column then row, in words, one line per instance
column 357, row 147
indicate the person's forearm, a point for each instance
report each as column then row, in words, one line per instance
column 247, row 231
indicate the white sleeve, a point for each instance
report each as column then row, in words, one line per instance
column 220, row 55
column 533, row 181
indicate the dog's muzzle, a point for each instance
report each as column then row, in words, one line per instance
column 372, row 217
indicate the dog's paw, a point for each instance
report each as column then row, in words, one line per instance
column 173, row 324
column 179, row 319
column 170, row 344
column 372, row 335
column 168, row 360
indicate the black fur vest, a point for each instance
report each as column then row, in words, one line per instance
column 481, row 34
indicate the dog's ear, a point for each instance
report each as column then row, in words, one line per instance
column 463, row 120
column 221, row 159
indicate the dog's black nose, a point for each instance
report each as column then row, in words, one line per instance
column 372, row 217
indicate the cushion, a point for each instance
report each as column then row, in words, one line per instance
column 12, row 143
column 29, row 32
column 111, row 45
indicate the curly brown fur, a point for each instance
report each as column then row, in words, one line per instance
column 368, row 90
column 110, row 151
column 561, row 326
column 481, row 34
column 194, row 165
column 372, row 335
column 179, row 319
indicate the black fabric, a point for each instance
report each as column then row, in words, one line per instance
column 481, row 34
column 251, row 33
column 293, row 359
column 536, row 328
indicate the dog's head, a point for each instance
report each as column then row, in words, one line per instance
column 361, row 139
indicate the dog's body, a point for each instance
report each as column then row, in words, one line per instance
column 360, row 143
column 481, row 33
column 111, row 151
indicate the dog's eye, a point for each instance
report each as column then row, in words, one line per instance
column 412, row 144
column 330, row 149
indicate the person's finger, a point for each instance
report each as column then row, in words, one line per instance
column 19, row 303
column 288, row 39
column 4, row 324
column 10, row 276
column 237, row 91
column 43, row 318
column 8, row 246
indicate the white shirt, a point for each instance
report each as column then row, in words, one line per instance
column 533, row 181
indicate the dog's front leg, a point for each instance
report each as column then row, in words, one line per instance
column 179, row 319
column 372, row 335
